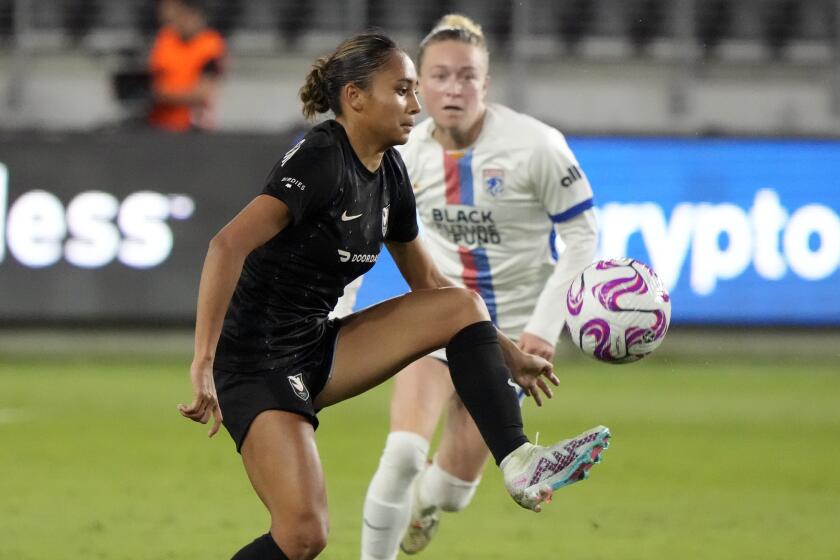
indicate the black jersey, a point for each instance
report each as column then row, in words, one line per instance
column 341, row 214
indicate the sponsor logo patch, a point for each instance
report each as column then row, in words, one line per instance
column 290, row 182
column 494, row 181
column 347, row 256
column 574, row 174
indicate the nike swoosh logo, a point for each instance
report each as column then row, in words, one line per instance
column 346, row 218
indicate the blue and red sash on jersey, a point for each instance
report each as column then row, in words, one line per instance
column 459, row 190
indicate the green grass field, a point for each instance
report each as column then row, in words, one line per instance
column 724, row 458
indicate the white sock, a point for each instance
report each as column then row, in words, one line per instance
column 443, row 490
column 388, row 501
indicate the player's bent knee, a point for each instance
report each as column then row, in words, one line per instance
column 467, row 307
column 304, row 538
column 404, row 453
column 402, row 460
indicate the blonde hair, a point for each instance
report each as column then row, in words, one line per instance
column 458, row 21
column 353, row 61
column 453, row 27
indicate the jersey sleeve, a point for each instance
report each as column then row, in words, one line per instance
column 402, row 222
column 580, row 237
column 558, row 180
column 306, row 180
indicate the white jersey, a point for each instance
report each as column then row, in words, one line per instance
column 488, row 213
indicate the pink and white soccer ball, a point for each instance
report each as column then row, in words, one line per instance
column 618, row 310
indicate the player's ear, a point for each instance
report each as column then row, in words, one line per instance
column 354, row 97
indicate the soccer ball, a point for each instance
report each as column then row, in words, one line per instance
column 618, row 310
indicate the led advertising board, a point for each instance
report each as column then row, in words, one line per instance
column 115, row 227
column 741, row 231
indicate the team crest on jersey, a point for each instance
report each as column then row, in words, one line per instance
column 385, row 220
column 494, row 181
column 296, row 381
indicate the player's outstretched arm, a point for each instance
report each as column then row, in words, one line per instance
column 258, row 222
column 580, row 235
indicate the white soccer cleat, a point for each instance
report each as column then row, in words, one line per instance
column 532, row 473
column 423, row 525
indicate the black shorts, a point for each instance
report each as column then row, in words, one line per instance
column 243, row 395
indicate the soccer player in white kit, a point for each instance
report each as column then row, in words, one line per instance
column 494, row 188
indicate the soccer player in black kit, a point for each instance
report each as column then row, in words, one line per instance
column 267, row 357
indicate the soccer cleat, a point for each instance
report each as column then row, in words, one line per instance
column 423, row 525
column 532, row 473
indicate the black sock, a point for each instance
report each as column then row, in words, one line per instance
column 262, row 548
column 481, row 379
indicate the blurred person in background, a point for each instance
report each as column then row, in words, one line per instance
column 493, row 188
column 267, row 356
column 186, row 65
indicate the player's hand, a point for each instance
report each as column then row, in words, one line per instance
column 531, row 373
column 205, row 402
column 532, row 344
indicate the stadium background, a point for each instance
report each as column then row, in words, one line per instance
column 711, row 133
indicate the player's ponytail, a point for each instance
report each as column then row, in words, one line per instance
column 313, row 93
column 354, row 61
column 453, row 27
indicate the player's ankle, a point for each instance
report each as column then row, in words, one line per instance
column 522, row 448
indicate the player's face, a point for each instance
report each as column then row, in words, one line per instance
column 167, row 12
column 182, row 18
column 453, row 83
column 392, row 100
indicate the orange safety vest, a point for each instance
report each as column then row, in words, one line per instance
column 176, row 66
